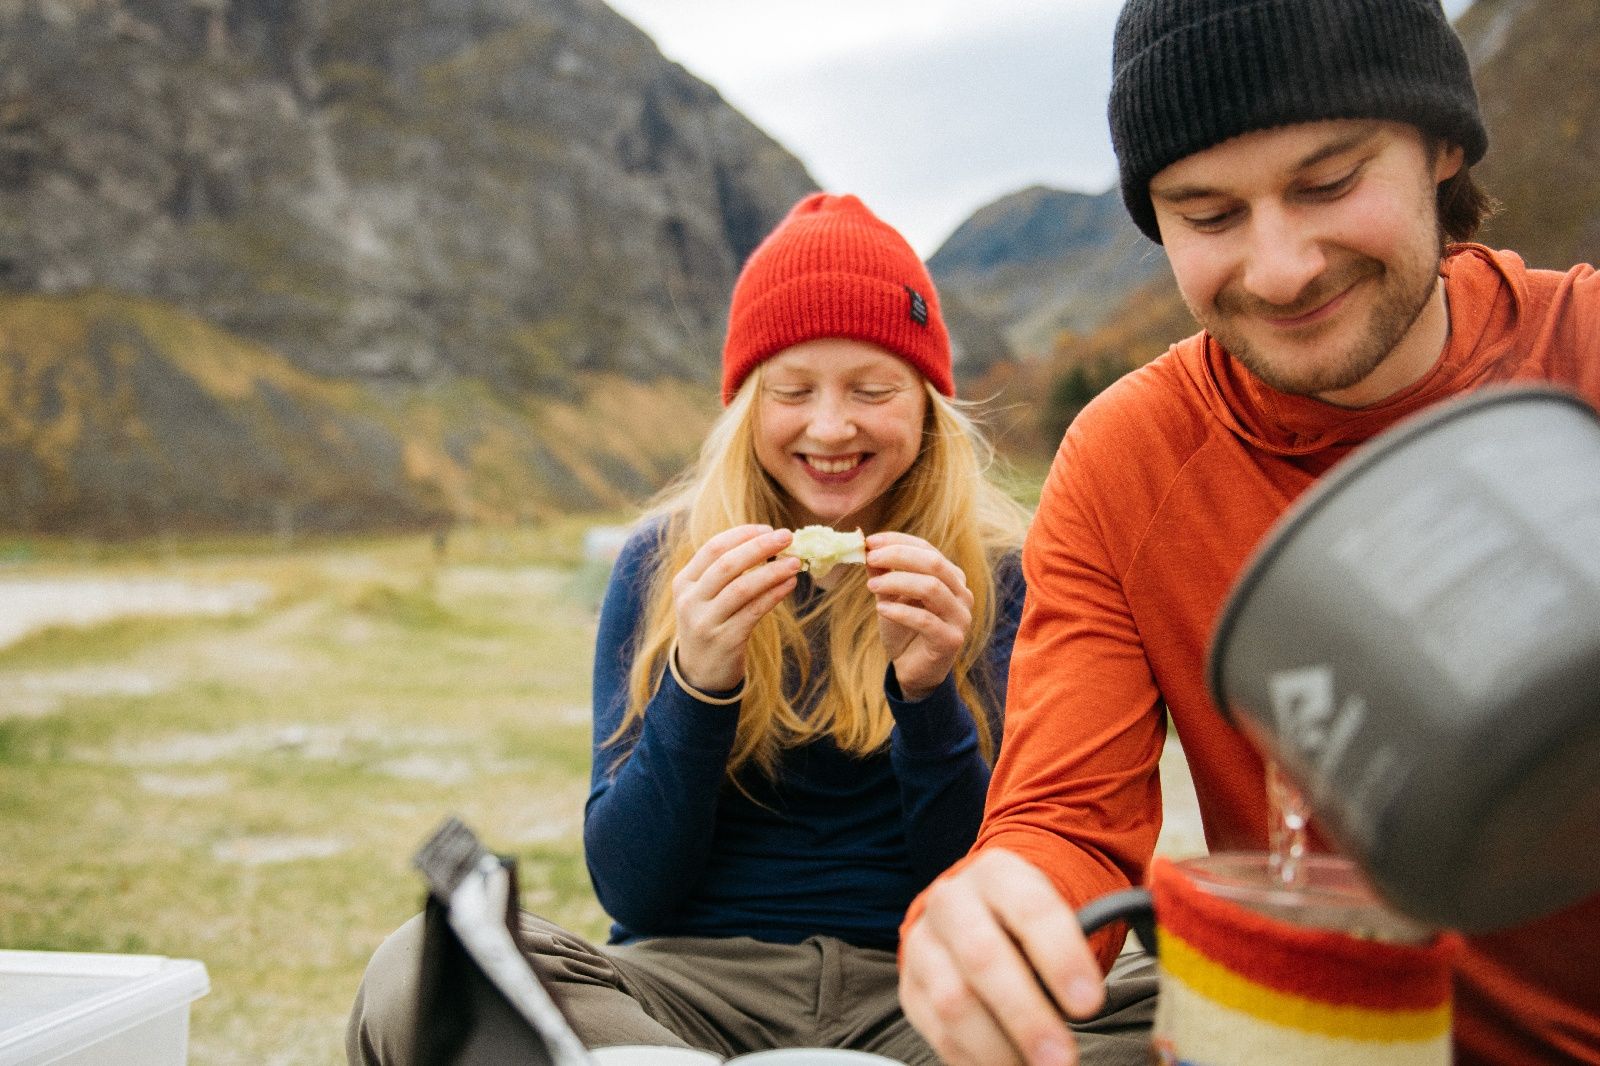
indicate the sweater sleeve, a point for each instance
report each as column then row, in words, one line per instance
column 934, row 747
column 648, row 822
column 1076, row 790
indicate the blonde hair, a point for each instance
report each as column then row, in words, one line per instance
column 945, row 498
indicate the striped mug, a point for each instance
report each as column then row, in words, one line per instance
column 1254, row 971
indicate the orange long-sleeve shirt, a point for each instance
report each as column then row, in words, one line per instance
column 1157, row 496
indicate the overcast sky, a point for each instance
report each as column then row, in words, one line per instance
column 928, row 109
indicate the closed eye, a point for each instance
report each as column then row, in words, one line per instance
column 1332, row 190
column 1211, row 221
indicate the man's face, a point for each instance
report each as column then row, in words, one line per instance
column 1311, row 253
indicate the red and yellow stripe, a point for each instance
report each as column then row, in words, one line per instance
column 1240, row 987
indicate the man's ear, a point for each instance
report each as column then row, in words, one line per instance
column 1448, row 160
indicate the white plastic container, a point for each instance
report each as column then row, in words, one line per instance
column 77, row 1009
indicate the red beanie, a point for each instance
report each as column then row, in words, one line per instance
column 834, row 269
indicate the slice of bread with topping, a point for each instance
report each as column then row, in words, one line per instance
column 821, row 548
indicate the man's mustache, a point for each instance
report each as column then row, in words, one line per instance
column 1234, row 300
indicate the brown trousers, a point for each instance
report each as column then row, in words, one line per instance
column 728, row 996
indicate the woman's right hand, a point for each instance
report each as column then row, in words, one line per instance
column 721, row 593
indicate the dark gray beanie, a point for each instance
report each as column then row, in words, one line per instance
column 1189, row 74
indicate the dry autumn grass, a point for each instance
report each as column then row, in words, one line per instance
column 247, row 790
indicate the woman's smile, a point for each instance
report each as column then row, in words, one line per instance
column 834, row 468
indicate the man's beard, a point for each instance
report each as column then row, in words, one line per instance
column 1403, row 296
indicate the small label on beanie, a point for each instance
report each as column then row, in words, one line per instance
column 919, row 307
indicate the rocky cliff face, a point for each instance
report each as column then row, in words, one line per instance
column 505, row 188
column 512, row 199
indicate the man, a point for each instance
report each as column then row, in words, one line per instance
column 1305, row 164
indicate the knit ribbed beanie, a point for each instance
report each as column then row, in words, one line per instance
column 832, row 268
column 1189, row 74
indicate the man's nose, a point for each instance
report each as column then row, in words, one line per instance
column 1283, row 258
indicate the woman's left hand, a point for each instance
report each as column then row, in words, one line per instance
column 924, row 609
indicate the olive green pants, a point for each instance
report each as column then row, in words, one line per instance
column 728, row 996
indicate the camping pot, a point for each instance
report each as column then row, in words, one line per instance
column 1417, row 643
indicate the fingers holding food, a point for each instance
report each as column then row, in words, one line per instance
column 725, row 589
column 821, row 548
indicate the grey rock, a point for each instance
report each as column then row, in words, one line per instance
column 506, row 189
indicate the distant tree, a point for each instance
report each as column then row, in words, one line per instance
column 1071, row 391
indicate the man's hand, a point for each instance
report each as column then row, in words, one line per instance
column 976, row 965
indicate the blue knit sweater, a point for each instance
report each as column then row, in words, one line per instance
column 835, row 844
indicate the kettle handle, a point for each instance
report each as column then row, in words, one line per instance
column 1132, row 905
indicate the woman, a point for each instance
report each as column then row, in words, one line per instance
column 783, row 761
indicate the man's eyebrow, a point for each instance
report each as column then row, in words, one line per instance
column 1355, row 139
column 1178, row 194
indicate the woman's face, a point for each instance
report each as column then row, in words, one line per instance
column 836, row 423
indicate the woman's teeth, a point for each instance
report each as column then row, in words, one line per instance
column 833, row 466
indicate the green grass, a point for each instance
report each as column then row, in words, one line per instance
column 254, row 800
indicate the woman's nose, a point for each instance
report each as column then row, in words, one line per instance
column 831, row 420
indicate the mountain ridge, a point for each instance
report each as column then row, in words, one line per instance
column 1042, row 261
column 522, row 202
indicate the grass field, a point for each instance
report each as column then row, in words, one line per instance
column 248, row 790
